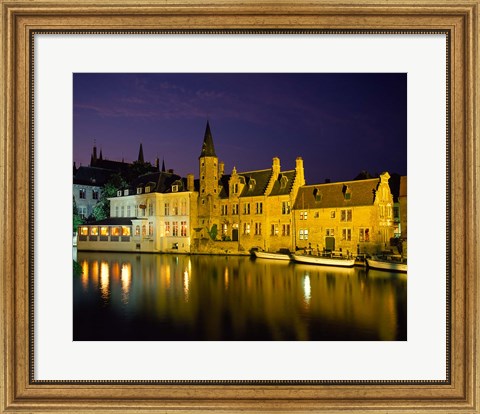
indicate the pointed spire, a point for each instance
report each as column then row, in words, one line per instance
column 140, row 154
column 163, row 165
column 208, row 150
column 101, row 155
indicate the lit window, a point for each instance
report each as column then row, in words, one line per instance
column 144, row 230
column 346, row 215
column 84, row 231
column 175, row 229
column 286, row 230
column 174, row 188
column 274, row 230
column 330, row 232
column 94, row 231
column 167, row 228
column 285, row 207
column 364, row 235
column 332, row 214
column 175, row 208
column 125, row 231
column 147, row 189
column 303, row 215
column 139, row 190
column 246, row 228
column 258, row 229
column 347, row 234
column 115, row 231
column 150, row 228
column 104, row 231
column 137, row 230
column 303, row 234
column 183, row 229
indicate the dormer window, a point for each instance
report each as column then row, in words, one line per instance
column 125, row 192
column 139, row 190
column 283, row 182
column 235, row 188
column 347, row 192
column 147, row 189
column 174, row 188
column 251, row 184
column 119, row 193
column 317, row 194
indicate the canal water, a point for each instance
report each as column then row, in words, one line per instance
column 142, row 297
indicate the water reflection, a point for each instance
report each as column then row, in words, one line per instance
column 170, row 297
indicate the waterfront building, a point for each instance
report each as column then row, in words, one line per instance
column 351, row 216
column 155, row 214
column 247, row 209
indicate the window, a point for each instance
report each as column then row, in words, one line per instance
column 125, row 192
column 167, row 209
column 224, row 229
column 123, row 211
column 137, row 230
column 348, row 196
column 224, row 210
column 119, row 193
column 125, row 231
column 94, row 231
column 175, row 228
column 396, row 212
column 167, row 228
column 246, row 228
column 183, row 228
column 104, row 231
column 330, row 232
column 303, row 234
column 147, row 189
column 347, row 234
column 150, row 228
column 246, row 208
column 128, row 211
column 364, row 235
column 139, row 190
column 95, row 194
column 175, row 208
column 144, row 230
column 115, row 231
column 136, row 210
column 258, row 229
column 174, row 188
column 285, row 229
column 116, row 211
column 285, row 207
column 332, row 214
column 259, row 208
column 346, row 215
column 84, row 231
column 82, row 193
column 303, row 215
column 235, row 209
column 183, row 208
column 82, row 211
column 150, row 209
column 274, row 231
column 235, row 188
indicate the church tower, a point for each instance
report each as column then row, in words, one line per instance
column 208, row 168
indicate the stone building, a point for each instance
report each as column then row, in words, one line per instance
column 351, row 216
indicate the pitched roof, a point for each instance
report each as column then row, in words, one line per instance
column 113, row 221
column 92, row 176
column 223, row 185
column 159, row 182
column 333, row 194
column 283, row 185
column 255, row 182
column 208, row 150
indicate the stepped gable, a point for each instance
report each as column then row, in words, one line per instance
column 362, row 193
column 283, row 184
column 256, row 182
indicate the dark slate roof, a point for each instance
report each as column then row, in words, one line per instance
column 113, row 221
column 255, row 182
column 223, row 186
column 160, row 182
column 332, row 195
column 208, row 150
column 92, row 176
column 283, row 185
column 116, row 166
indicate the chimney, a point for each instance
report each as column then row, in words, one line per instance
column 221, row 169
column 170, row 170
column 299, row 171
column 190, row 181
column 276, row 166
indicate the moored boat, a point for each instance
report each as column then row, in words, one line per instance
column 390, row 264
column 267, row 255
column 324, row 260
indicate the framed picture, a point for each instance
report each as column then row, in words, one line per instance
column 420, row 350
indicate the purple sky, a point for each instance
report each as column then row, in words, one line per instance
column 340, row 124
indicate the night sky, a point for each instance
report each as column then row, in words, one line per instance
column 340, row 124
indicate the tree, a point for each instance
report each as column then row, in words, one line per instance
column 77, row 219
column 101, row 210
column 213, row 232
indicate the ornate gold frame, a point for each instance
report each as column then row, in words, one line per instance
column 20, row 18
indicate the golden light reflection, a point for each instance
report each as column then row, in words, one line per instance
column 85, row 274
column 95, row 271
column 226, row 278
column 126, row 278
column 186, row 282
column 307, row 290
column 104, row 280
